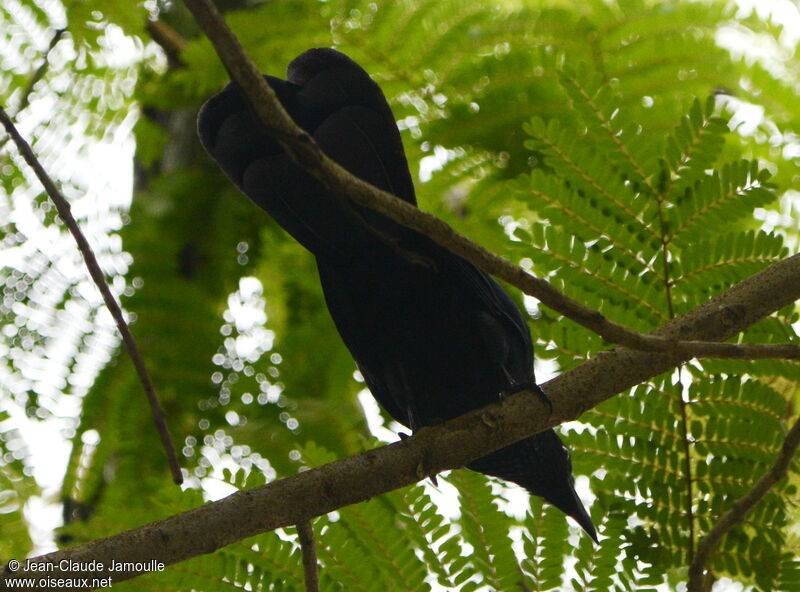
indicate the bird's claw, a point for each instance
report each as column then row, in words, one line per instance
column 515, row 387
column 543, row 396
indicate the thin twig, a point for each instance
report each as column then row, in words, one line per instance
column 25, row 97
column 742, row 351
column 309, row 548
column 740, row 509
column 304, row 151
column 89, row 258
column 170, row 41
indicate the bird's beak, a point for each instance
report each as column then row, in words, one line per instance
column 581, row 516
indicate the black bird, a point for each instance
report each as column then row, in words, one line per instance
column 433, row 336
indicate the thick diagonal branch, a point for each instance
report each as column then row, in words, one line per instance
column 304, row 151
column 450, row 445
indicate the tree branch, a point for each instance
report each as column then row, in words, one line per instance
column 170, row 41
column 25, row 97
column 24, row 100
column 448, row 446
column 741, row 507
column 306, row 534
column 64, row 211
column 304, row 151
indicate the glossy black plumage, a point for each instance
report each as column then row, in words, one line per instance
column 433, row 336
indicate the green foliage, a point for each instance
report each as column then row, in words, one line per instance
column 597, row 134
column 546, row 542
column 16, row 486
column 487, row 531
column 650, row 233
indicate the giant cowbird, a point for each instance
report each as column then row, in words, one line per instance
column 433, row 336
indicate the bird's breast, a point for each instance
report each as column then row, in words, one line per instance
column 419, row 332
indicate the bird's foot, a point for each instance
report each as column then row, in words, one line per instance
column 516, row 387
column 424, row 468
column 542, row 395
column 425, row 471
